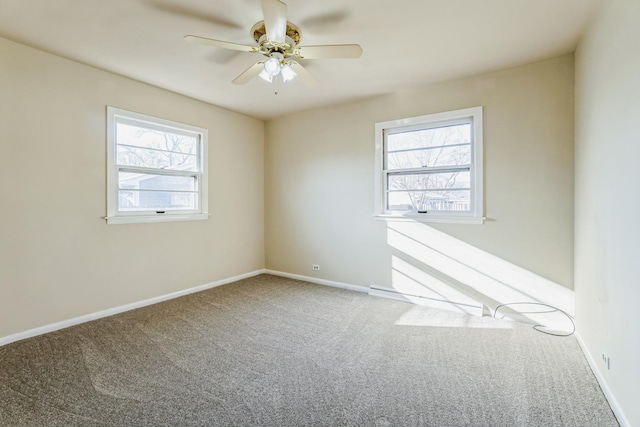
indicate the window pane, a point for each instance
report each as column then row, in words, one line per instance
column 429, row 181
column 447, row 200
column 441, row 156
column 141, row 200
column 151, row 158
column 431, row 163
column 152, row 148
column 434, row 137
column 147, row 181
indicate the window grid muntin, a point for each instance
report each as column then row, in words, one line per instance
column 139, row 147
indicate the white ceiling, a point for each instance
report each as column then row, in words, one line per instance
column 405, row 42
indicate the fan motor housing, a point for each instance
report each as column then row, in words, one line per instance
column 287, row 48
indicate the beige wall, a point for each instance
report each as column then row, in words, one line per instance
column 58, row 258
column 319, row 188
column 607, row 237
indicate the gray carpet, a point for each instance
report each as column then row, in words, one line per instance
column 278, row 352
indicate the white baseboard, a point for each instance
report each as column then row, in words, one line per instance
column 341, row 285
column 455, row 306
column 127, row 307
column 381, row 292
column 615, row 406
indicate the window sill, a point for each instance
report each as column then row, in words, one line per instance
column 431, row 218
column 141, row 219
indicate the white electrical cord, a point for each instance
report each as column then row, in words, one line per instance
column 537, row 327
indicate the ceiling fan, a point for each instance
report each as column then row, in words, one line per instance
column 277, row 40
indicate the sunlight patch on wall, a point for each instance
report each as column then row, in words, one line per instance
column 432, row 264
column 415, row 283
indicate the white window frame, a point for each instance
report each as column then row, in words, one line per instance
column 470, row 115
column 114, row 214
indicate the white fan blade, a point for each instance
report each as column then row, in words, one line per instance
column 275, row 20
column 330, row 51
column 326, row 19
column 219, row 43
column 249, row 73
column 305, row 77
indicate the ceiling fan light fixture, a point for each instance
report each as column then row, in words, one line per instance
column 265, row 76
column 287, row 73
column 272, row 67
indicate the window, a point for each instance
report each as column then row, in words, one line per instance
column 156, row 169
column 429, row 168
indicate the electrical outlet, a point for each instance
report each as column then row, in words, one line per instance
column 315, row 267
column 606, row 360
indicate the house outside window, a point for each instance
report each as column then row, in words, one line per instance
column 156, row 169
column 429, row 168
